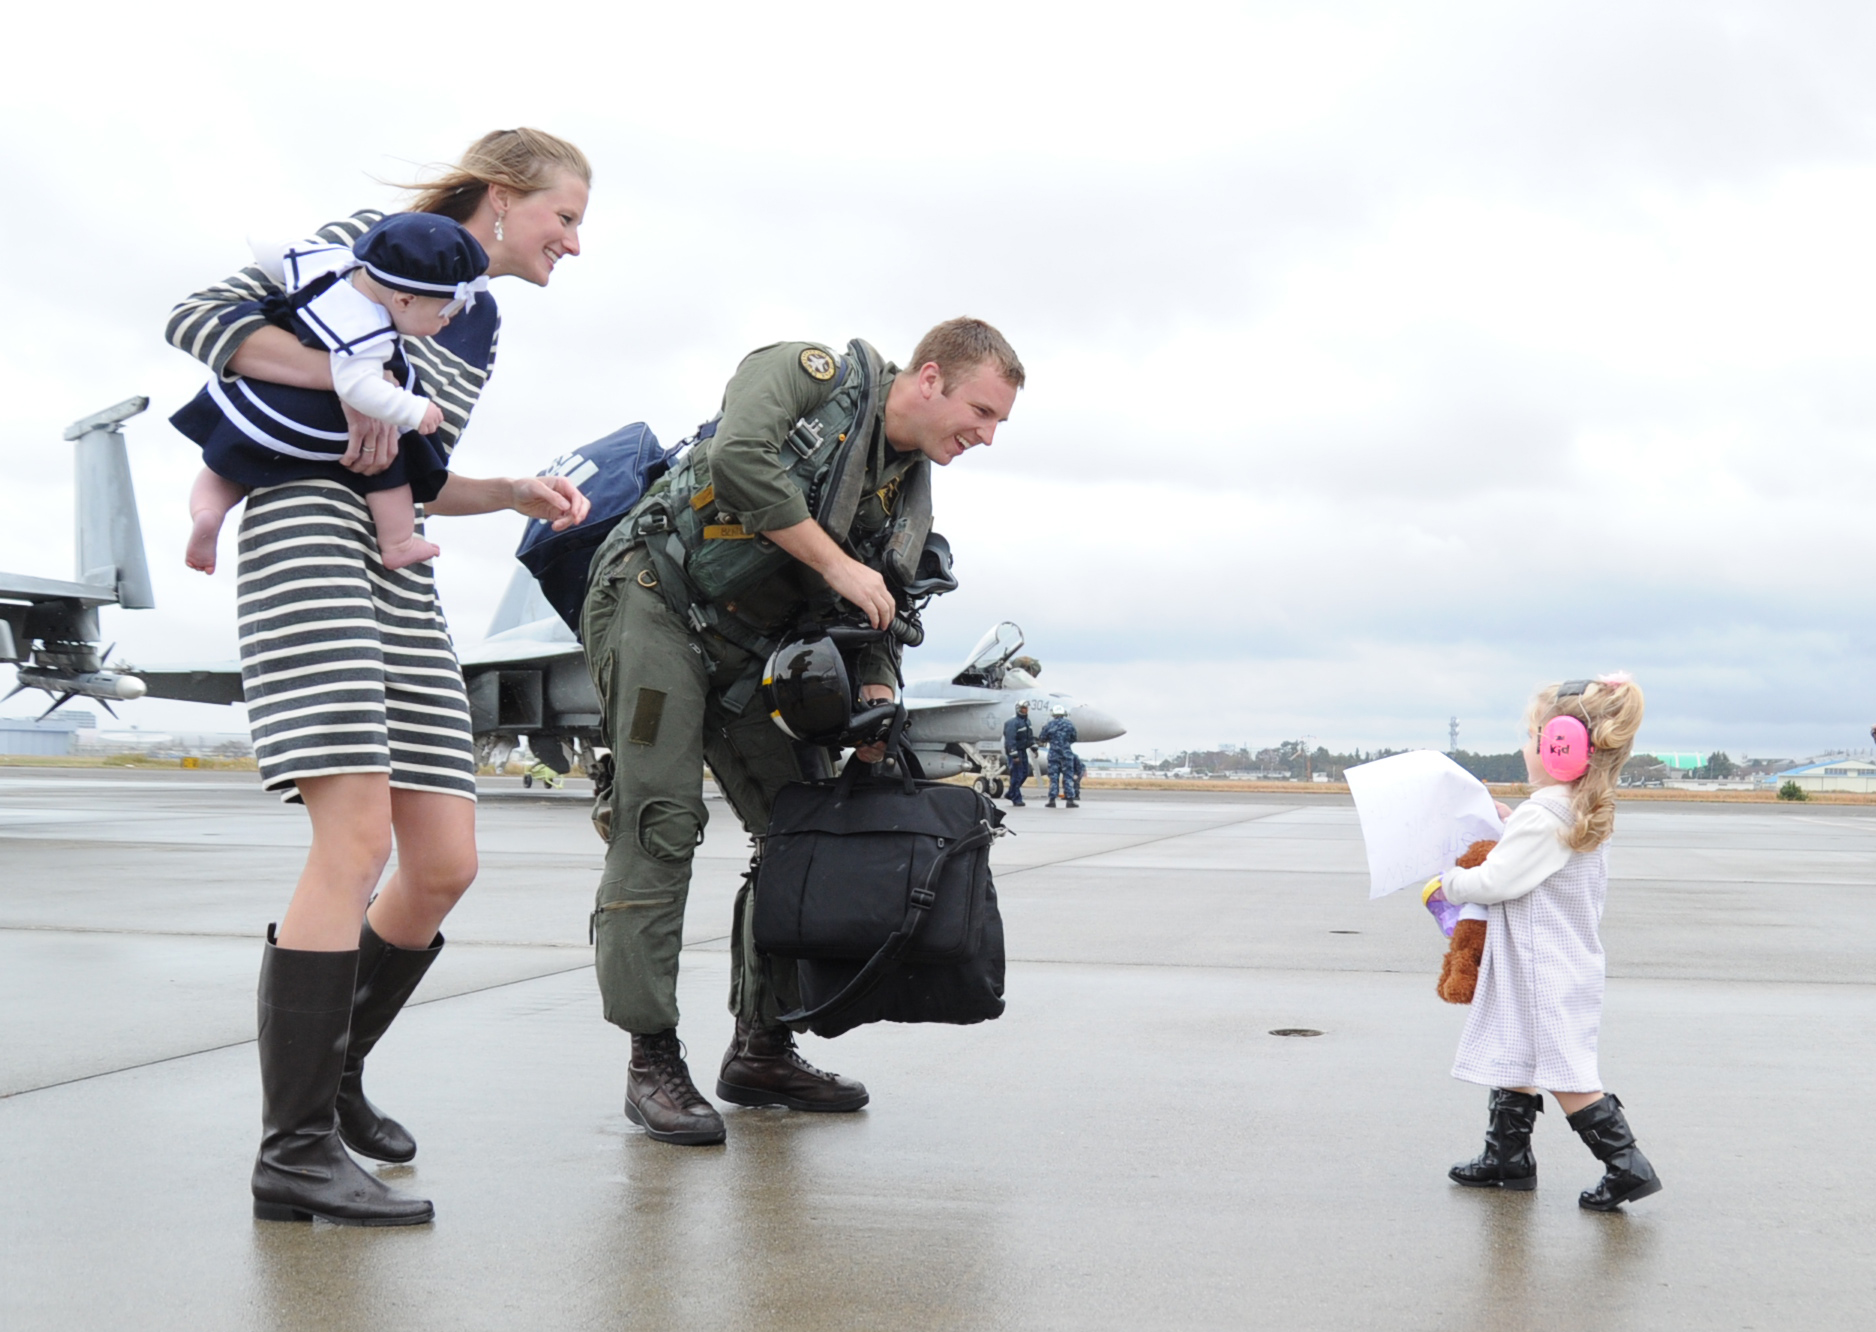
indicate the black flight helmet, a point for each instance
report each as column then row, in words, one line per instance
column 809, row 691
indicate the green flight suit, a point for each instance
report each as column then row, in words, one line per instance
column 664, row 688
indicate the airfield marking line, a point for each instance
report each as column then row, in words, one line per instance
column 1149, row 841
column 1406, row 971
column 1861, row 825
column 238, row 934
column 229, row 1045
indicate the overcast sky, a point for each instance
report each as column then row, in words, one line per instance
column 1384, row 360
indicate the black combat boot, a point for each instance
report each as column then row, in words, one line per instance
column 1506, row 1162
column 1073, row 803
column 762, row 1067
column 661, row 1098
column 303, row 1170
column 1606, row 1133
column 386, row 976
column 1051, row 804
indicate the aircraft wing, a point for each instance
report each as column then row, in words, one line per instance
column 220, row 682
column 517, row 651
column 25, row 587
column 916, row 704
column 207, row 682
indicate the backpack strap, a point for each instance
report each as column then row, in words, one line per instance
column 919, row 902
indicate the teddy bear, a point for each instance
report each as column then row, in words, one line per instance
column 1459, row 969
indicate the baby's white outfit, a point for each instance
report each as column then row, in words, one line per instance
column 358, row 334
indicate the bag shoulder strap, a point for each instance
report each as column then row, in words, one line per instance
column 921, row 899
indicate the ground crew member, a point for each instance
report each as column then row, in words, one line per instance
column 808, row 489
column 1019, row 737
column 1060, row 736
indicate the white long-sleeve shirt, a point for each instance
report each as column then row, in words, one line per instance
column 358, row 333
column 1528, row 853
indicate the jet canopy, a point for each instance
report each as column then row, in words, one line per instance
column 985, row 666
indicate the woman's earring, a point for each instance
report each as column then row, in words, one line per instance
column 498, row 226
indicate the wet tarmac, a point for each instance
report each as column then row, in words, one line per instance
column 1128, row 1147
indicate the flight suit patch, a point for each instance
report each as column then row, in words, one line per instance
column 818, row 364
column 646, row 716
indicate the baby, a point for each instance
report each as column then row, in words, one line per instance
column 406, row 277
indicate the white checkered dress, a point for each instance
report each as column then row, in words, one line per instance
column 1537, row 1011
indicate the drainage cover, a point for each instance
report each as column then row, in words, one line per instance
column 1295, row 1031
column 1344, row 931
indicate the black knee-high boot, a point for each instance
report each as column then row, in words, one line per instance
column 387, row 975
column 1628, row 1176
column 1506, row 1162
column 303, row 1171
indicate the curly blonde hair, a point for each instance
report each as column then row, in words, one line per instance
column 1611, row 710
column 524, row 160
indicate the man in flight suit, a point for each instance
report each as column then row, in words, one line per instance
column 1018, row 738
column 810, row 485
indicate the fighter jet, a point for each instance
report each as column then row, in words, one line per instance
column 50, row 627
column 529, row 677
column 957, row 721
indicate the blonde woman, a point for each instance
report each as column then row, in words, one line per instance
column 354, row 694
column 1537, row 1012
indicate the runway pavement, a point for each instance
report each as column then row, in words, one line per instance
column 1129, row 1146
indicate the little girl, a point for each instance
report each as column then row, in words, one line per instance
column 1538, row 1007
column 408, row 275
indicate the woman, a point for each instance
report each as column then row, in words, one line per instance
column 355, row 697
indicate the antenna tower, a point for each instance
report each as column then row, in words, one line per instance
column 1452, row 736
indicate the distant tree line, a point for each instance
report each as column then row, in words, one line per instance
column 1491, row 767
column 1300, row 763
column 1292, row 757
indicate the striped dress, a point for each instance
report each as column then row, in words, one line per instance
column 346, row 666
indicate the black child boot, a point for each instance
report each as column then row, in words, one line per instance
column 1506, row 1162
column 387, row 975
column 303, row 1171
column 1628, row 1176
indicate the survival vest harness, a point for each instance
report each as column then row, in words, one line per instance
column 704, row 559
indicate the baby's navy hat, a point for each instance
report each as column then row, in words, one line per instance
column 426, row 255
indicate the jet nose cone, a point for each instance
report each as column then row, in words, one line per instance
column 1092, row 724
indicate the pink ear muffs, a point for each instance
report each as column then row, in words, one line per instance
column 1563, row 748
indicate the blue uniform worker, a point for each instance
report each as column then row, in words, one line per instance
column 1019, row 737
column 1060, row 736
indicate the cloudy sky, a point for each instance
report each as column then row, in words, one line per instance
column 1384, row 360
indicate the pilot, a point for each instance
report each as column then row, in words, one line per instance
column 1060, row 736
column 802, row 497
column 1019, row 737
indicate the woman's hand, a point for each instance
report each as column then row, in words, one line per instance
column 372, row 444
column 552, row 499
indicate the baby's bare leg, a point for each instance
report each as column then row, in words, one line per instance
column 210, row 498
column 393, row 513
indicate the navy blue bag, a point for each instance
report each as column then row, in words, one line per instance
column 612, row 473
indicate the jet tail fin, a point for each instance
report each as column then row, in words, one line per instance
column 110, row 536
column 523, row 603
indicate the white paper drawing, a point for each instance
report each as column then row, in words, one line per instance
column 1418, row 812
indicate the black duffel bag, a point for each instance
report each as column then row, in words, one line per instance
column 877, row 891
